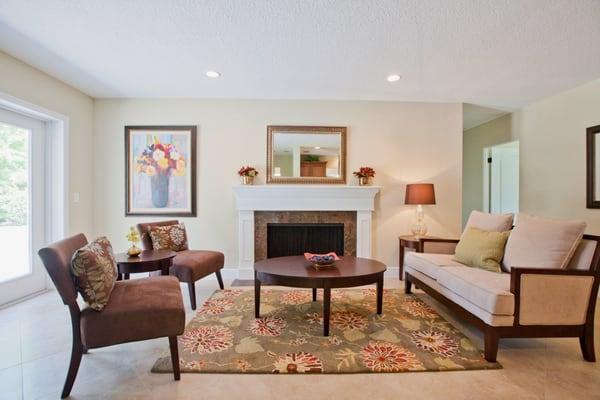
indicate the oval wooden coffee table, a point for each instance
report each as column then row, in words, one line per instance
column 296, row 271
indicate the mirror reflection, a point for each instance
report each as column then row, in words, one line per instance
column 306, row 154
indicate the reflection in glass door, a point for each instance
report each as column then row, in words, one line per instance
column 21, row 205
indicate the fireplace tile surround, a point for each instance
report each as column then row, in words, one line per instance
column 262, row 218
column 258, row 205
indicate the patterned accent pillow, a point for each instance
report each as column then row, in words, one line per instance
column 95, row 272
column 169, row 237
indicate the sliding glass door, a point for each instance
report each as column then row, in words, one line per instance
column 22, row 200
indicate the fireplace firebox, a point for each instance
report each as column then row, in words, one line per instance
column 291, row 239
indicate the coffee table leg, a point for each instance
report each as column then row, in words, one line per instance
column 314, row 290
column 256, row 297
column 326, row 310
column 380, row 295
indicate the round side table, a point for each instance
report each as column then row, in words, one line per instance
column 147, row 261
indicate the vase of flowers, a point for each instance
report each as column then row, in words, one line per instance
column 133, row 237
column 364, row 174
column 160, row 162
column 247, row 175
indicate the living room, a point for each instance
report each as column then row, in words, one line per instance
column 412, row 148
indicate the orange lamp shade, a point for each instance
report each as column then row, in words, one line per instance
column 419, row 193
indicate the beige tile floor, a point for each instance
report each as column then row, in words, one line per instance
column 35, row 347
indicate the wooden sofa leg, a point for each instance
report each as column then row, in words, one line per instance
column 491, row 340
column 587, row 343
column 192, row 290
column 76, row 354
column 407, row 285
column 174, row 357
column 220, row 279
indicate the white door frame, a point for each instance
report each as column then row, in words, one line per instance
column 56, row 165
column 487, row 153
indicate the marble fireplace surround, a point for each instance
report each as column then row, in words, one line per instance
column 260, row 204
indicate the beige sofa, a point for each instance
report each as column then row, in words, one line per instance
column 525, row 302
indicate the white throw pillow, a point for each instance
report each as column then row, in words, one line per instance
column 490, row 222
column 537, row 242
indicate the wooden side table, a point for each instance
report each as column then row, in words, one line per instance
column 147, row 261
column 408, row 242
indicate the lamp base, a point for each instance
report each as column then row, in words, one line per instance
column 419, row 229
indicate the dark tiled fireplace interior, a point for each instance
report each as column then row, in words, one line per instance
column 292, row 239
column 304, row 222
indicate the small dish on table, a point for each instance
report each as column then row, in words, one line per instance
column 322, row 261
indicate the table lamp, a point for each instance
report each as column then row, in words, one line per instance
column 419, row 194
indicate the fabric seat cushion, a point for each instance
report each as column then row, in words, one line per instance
column 429, row 263
column 191, row 265
column 138, row 309
column 490, row 222
column 538, row 242
column 488, row 290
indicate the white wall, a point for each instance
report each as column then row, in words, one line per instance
column 404, row 142
column 552, row 144
column 474, row 141
column 27, row 83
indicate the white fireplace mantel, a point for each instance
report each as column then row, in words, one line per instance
column 252, row 198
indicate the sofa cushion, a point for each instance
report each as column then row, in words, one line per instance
column 169, row 237
column 481, row 249
column 138, row 309
column 487, row 290
column 537, row 242
column 95, row 272
column 429, row 263
column 490, row 222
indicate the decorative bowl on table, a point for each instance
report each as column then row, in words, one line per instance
column 322, row 261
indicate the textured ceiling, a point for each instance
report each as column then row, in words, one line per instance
column 486, row 52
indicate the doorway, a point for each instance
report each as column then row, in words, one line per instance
column 501, row 178
column 22, row 205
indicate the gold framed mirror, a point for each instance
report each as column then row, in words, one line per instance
column 306, row 154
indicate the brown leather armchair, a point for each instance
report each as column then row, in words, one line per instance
column 137, row 310
column 188, row 265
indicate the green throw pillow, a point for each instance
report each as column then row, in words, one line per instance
column 481, row 249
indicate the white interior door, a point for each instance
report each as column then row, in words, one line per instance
column 22, row 214
column 502, row 175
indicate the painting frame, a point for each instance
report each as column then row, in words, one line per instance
column 131, row 131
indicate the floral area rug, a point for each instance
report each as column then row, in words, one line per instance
column 224, row 336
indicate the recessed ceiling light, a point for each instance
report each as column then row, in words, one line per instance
column 393, row 78
column 213, row 74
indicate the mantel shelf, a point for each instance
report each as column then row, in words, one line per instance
column 305, row 197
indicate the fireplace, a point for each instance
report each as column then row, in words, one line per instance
column 312, row 231
column 296, row 239
column 259, row 205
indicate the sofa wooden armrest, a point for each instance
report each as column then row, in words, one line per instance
column 438, row 245
column 551, row 296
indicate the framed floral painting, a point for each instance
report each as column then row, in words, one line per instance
column 160, row 176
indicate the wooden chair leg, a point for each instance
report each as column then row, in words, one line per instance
column 587, row 343
column 491, row 340
column 76, row 354
column 220, row 279
column 174, row 357
column 192, row 290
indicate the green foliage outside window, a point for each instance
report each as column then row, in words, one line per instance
column 13, row 175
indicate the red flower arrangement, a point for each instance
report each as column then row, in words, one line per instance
column 365, row 172
column 248, row 171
